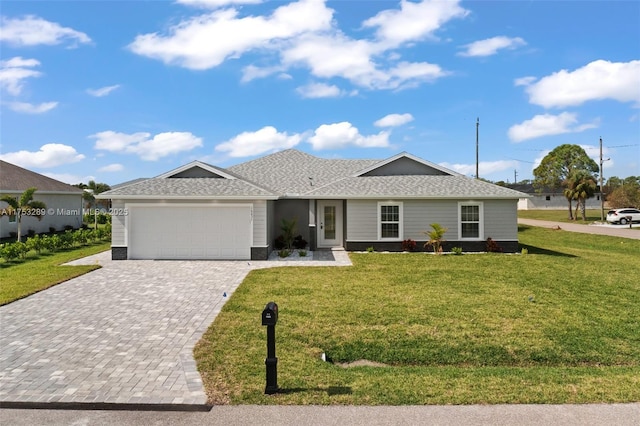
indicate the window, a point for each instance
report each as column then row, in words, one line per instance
column 470, row 221
column 548, row 198
column 390, row 221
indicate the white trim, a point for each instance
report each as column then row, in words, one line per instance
column 480, row 204
column 400, row 220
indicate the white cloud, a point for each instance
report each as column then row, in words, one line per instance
column 319, row 90
column 341, row 135
column 49, row 155
column 188, row 43
column 14, row 71
column 111, row 168
column 393, row 120
column 548, row 124
column 267, row 139
column 146, row 147
column 70, row 178
column 490, row 46
column 485, row 168
column 27, row 108
column 524, row 81
column 329, row 56
column 597, row 80
column 32, row 31
column 103, row 91
column 304, row 34
column 215, row 4
column 413, row 21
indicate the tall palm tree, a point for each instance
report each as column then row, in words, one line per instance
column 24, row 206
column 580, row 186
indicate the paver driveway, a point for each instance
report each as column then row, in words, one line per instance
column 121, row 334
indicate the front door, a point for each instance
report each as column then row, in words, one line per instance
column 329, row 224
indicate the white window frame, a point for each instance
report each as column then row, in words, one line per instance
column 480, row 205
column 400, row 220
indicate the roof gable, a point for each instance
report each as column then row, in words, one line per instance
column 197, row 169
column 405, row 164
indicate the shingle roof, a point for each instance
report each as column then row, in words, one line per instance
column 188, row 187
column 413, row 186
column 288, row 172
column 292, row 173
column 16, row 179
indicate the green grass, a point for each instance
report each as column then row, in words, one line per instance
column 593, row 215
column 558, row 325
column 22, row 278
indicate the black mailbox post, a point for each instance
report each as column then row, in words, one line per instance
column 270, row 318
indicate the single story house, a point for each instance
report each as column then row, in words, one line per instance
column 63, row 201
column 547, row 198
column 199, row 211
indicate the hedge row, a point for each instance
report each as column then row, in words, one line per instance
column 52, row 243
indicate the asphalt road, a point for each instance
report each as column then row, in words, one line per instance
column 612, row 230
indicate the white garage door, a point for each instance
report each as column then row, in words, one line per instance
column 189, row 232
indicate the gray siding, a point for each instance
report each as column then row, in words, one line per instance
column 403, row 167
column 501, row 219
column 260, row 223
column 118, row 231
column 62, row 210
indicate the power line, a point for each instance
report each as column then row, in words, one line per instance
column 623, row 146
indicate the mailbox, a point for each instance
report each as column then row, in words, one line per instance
column 270, row 314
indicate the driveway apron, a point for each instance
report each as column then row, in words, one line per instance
column 123, row 334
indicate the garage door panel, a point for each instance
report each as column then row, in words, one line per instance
column 189, row 232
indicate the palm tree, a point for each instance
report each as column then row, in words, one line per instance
column 25, row 205
column 436, row 237
column 580, row 185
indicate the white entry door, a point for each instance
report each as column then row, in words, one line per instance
column 329, row 224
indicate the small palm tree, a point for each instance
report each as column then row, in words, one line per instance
column 25, row 205
column 436, row 237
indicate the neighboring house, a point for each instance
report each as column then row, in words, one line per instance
column 63, row 201
column 199, row 211
column 547, row 198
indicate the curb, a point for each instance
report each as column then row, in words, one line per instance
column 109, row 406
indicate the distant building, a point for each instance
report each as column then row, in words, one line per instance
column 63, row 201
column 547, row 198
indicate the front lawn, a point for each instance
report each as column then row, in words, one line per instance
column 558, row 325
column 21, row 278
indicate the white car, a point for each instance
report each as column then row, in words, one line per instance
column 621, row 216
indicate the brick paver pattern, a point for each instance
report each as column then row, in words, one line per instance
column 124, row 333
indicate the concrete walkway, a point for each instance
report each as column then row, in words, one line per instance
column 123, row 334
column 603, row 229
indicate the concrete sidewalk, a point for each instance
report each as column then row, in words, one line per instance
column 521, row 415
column 612, row 230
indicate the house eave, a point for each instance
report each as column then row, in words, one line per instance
column 187, row 197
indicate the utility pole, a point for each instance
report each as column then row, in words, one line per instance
column 515, row 176
column 477, row 130
column 601, row 185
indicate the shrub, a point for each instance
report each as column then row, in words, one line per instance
column 302, row 253
column 52, row 243
column 370, row 249
column 299, row 242
column 68, row 228
column 289, row 228
column 35, row 243
column 524, row 251
column 284, row 253
column 66, row 239
column 456, row 250
column 52, row 230
column 31, row 233
column 279, row 243
column 408, row 245
column 15, row 250
column 492, row 246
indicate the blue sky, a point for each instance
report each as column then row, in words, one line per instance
column 117, row 90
